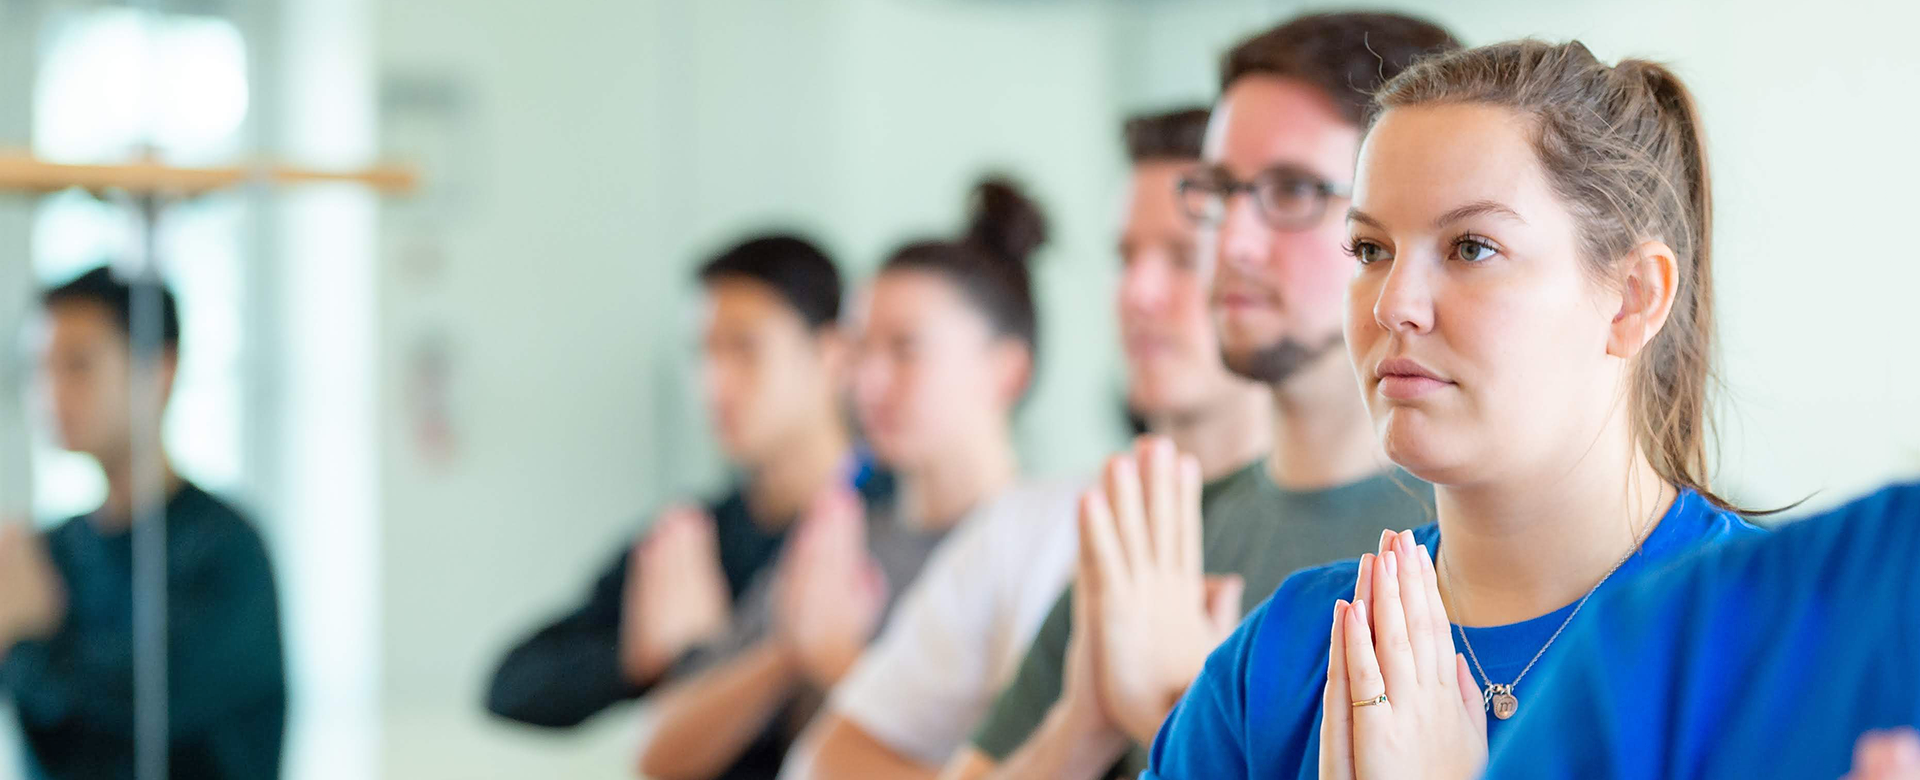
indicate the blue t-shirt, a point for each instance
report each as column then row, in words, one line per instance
column 1255, row 709
column 1766, row 658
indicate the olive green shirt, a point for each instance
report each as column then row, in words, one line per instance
column 1250, row 526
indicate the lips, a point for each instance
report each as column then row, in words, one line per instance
column 1405, row 379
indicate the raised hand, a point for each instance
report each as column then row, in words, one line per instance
column 1336, row 716
column 1399, row 701
column 1887, row 755
column 831, row 591
column 676, row 595
column 33, row 601
column 1080, row 691
column 1156, row 617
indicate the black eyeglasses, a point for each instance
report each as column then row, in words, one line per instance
column 1289, row 198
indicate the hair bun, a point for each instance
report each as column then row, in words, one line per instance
column 1004, row 222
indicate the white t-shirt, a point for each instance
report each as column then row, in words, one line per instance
column 961, row 630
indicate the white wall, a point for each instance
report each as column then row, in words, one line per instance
column 549, row 265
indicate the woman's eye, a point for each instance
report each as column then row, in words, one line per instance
column 1368, row 252
column 1473, row 251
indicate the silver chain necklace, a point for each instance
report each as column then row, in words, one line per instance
column 1499, row 699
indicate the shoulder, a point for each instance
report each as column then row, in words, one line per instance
column 216, row 516
column 1889, row 516
column 1025, row 520
column 66, row 531
column 1719, row 524
column 67, row 539
column 1837, row 552
column 1845, row 548
column 210, row 540
column 1840, row 545
column 205, row 530
column 1026, row 531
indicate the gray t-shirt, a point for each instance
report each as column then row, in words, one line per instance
column 1250, row 526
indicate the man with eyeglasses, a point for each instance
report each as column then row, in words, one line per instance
column 1270, row 198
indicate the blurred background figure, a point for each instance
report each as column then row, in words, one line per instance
column 961, row 630
column 67, row 596
column 773, row 367
column 947, row 337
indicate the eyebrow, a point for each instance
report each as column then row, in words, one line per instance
column 1474, row 209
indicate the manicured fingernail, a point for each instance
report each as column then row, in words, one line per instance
column 1393, row 564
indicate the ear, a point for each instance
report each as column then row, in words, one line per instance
column 1650, row 279
column 1013, row 369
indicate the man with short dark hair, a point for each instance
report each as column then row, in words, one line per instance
column 66, row 598
column 773, row 364
column 1269, row 197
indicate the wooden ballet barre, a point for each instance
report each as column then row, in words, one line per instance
column 23, row 172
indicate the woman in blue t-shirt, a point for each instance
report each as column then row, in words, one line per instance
column 1531, row 320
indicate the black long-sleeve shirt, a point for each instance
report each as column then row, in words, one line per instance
column 569, row 670
column 226, row 676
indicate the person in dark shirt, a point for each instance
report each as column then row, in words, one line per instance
column 773, row 363
column 67, row 598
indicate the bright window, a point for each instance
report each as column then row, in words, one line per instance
column 111, row 83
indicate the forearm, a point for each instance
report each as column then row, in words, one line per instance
column 1064, row 747
column 848, row 751
column 559, row 678
column 705, row 722
column 828, row 666
column 569, row 669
